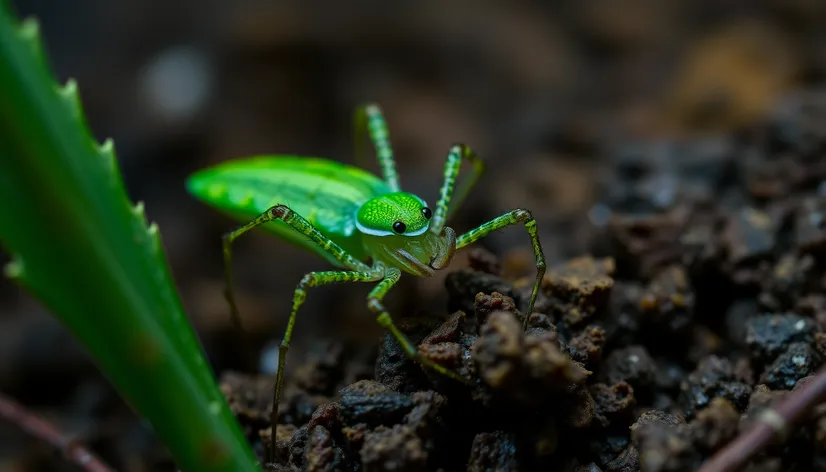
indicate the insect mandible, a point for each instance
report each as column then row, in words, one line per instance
column 349, row 216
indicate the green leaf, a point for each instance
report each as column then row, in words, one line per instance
column 86, row 252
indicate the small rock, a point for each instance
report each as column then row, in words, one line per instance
column 645, row 243
column 632, row 364
column 463, row 285
column 664, row 443
column 713, row 377
column 396, row 448
column 767, row 336
column 372, row 403
column 493, row 451
column 715, row 425
column 321, row 454
column 627, row 461
column 667, row 305
column 528, row 367
column 797, row 362
column 485, row 304
column 579, row 289
column 614, row 403
column 586, row 347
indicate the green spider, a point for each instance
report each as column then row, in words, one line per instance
column 349, row 216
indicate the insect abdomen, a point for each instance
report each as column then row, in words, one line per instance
column 326, row 193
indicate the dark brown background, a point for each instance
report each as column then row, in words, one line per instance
column 541, row 90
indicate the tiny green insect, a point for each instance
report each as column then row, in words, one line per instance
column 350, row 217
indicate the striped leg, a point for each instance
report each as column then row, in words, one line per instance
column 444, row 209
column 369, row 117
column 512, row 218
column 298, row 223
column 313, row 279
column 374, row 303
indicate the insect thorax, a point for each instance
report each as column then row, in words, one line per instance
column 419, row 255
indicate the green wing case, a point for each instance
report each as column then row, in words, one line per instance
column 327, row 193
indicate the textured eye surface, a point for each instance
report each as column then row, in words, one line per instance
column 394, row 214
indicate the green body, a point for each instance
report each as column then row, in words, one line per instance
column 327, row 194
column 347, row 216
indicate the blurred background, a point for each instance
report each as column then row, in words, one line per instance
column 551, row 95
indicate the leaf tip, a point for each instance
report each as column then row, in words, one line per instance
column 108, row 146
column 139, row 211
column 69, row 90
column 70, row 96
column 107, row 152
column 14, row 269
column 29, row 29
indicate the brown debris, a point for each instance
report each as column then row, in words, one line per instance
column 517, row 364
column 614, row 403
column 580, row 409
column 668, row 303
column 485, row 304
column 395, row 448
column 447, row 331
column 587, row 346
column 646, row 243
column 715, row 425
column 664, row 443
column 463, row 285
column 440, row 347
column 579, row 289
column 249, row 397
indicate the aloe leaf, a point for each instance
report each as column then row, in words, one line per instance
column 81, row 247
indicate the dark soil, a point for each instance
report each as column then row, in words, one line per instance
column 651, row 356
column 675, row 159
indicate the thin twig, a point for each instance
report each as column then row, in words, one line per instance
column 39, row 428
column 771, row 424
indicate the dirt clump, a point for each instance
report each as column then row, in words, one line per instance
column 695, row 311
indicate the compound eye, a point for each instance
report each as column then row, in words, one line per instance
column 427, row 213
column 399, row 227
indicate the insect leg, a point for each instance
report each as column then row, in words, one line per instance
column 374, row 303
column 512, row 218
column 313, row 279
column 444, row 209
column 298, row 223
column 369, row 117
